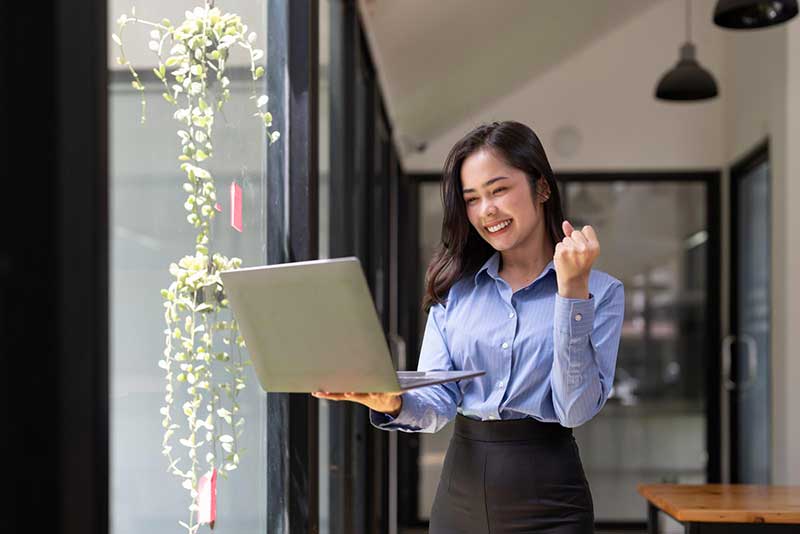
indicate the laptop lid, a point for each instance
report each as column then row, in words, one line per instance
column 311, row 326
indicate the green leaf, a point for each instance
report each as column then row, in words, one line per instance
column 259, row 72
column 137, row 85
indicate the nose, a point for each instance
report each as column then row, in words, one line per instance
column 488, row 209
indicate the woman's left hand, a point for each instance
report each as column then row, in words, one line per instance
column 573, row 259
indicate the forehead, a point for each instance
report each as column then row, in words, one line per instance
column 484, row 165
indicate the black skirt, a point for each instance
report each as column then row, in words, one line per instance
column 509, row 476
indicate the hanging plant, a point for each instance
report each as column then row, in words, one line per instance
column 203, row 356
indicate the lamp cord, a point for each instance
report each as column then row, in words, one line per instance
column 688, row 21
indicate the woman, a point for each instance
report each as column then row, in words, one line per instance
column 511, row 291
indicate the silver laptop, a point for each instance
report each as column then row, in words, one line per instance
column 312, row 326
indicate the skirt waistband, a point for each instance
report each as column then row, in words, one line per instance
column 527, row 429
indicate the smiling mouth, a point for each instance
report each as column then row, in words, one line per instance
column 498, row 227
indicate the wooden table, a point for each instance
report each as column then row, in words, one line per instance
column 724, row 508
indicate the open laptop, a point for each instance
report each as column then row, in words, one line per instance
column 312, row 326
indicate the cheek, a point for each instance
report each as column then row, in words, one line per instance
column 522, row 209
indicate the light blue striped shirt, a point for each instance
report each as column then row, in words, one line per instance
column 545, row 356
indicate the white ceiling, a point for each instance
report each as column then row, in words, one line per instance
column 440, row 60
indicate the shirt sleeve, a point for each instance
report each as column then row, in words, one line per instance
column 430, row 408
column 586, row 341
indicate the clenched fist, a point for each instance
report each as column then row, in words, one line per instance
column 573, row 259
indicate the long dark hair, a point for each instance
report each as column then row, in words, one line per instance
column 462, row 250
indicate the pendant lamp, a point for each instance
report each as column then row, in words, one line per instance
column 749, row 14
column 687, row 80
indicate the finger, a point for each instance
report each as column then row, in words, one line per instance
column 567, row 227
column 329, row 396
column 590, row 234
column 579, row 239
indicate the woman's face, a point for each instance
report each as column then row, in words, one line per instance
column 499, row 201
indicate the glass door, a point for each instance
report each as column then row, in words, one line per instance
column 747, row 348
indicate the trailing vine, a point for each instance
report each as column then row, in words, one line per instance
column 203, row 358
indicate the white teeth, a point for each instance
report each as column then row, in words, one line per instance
column 497, row 227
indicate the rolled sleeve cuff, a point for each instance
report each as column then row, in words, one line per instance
column 574, row 317
column 405, row 420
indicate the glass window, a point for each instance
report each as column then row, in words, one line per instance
column 150, row 231
column 653, row 427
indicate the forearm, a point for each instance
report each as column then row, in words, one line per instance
column 577, row 387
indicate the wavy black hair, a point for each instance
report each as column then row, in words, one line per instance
column 462, row 250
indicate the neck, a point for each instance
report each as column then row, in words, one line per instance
column 528, row 259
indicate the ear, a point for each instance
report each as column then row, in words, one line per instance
column 542, row 189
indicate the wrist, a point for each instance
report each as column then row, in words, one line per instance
column 574, row 289
column 396, row 407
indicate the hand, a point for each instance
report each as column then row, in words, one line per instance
column 573, row 259
column 388, row 403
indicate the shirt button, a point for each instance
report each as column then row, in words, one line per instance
column 578, row 316
column 511, row 315
column 500, row 384
column 505, row 345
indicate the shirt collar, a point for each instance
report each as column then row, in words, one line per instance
column 491, row 265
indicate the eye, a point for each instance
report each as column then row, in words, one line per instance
column 499, row 189
column 470, row 200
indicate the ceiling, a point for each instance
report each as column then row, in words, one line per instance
column 440, row 60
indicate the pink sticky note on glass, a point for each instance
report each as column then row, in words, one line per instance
column 207, row 498
column 236, row 206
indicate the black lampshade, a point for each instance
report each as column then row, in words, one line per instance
column 687, row 80
column 748, row 14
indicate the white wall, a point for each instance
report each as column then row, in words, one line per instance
column 605, row 92
column 789, row 445
column 762, row 80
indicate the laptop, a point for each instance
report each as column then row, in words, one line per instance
column 312, row 326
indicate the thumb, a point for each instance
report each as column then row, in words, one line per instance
column 567, row 228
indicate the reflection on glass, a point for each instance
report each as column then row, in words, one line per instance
column 752, row 396
column 150, row 231
column 653, row 427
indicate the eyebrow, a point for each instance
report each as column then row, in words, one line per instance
column 487, row 183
